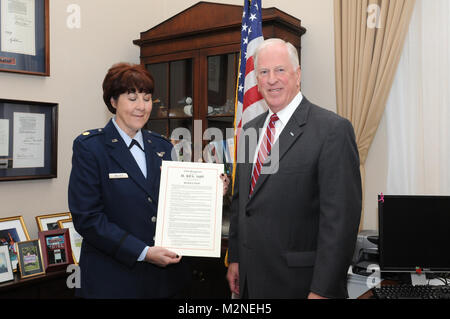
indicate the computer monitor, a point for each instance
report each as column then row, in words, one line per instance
column 414, row 233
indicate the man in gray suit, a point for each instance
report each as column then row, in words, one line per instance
column 297, row 204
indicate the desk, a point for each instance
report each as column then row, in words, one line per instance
column 358, row 285
column 49, row 286
column 369, row 294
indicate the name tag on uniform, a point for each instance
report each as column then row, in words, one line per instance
column 118, row 175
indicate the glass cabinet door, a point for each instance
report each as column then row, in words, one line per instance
column 160, row 74
column 174, row 107
column 172, row 97
column 222, row 78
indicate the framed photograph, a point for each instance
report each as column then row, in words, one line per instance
column 30, row 258
column 13, row 230
column 6, row 271
column 50, row 221
column 56, row 249
column 75, row 238
column 28, row 140
column 24, row 35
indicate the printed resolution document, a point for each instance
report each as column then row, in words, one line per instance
column 29, row 140
column 18, row 31
column 4, row 137
column 189, row 220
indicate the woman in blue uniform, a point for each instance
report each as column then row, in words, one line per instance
column 113, row 197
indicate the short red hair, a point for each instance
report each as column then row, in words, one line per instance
column 125, row 78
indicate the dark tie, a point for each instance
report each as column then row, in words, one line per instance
column 134, row 142
column 264, row 150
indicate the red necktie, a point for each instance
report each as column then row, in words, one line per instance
column 264, row 150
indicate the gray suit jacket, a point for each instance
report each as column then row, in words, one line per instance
column 297, row 232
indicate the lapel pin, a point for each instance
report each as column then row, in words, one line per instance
column 160, row 154
column 86, row 133
column 150, row 141
column 115, row 140
column 292, row 134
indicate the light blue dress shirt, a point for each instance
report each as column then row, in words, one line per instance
column 137, row 153
column 139, row 156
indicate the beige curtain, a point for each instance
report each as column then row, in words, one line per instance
column 369, row 37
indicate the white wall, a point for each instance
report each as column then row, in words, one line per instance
column 81, row 57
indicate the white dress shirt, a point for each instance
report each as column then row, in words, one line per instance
column 284, row 116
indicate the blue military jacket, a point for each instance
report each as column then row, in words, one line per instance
column 114, row 208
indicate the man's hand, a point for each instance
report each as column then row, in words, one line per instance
column 233, row 278
column 161, row 257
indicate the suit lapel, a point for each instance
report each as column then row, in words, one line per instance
column 293, row 129
column 291, row 133
column 123, row 157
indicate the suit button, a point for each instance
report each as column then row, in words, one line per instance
column 150, row 200
column 153, row 219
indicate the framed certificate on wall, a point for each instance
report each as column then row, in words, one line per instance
column 28, row 140
column 24, row 37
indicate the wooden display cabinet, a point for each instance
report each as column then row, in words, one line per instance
column 194, row 58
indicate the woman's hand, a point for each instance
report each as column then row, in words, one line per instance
column 226, row 182
column 161, row 257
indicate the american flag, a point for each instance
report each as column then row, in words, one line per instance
column 250, row 103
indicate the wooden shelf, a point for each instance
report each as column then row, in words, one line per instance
column 49, row 286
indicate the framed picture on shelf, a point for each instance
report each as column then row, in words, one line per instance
column 28, row 140
column 13, row 230
column 75, row 238
column 50, row 221
column 30, row 258
column 6, row 271
column 24, row 34
column 56, row 249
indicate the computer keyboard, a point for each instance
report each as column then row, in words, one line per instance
column 411, row 292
